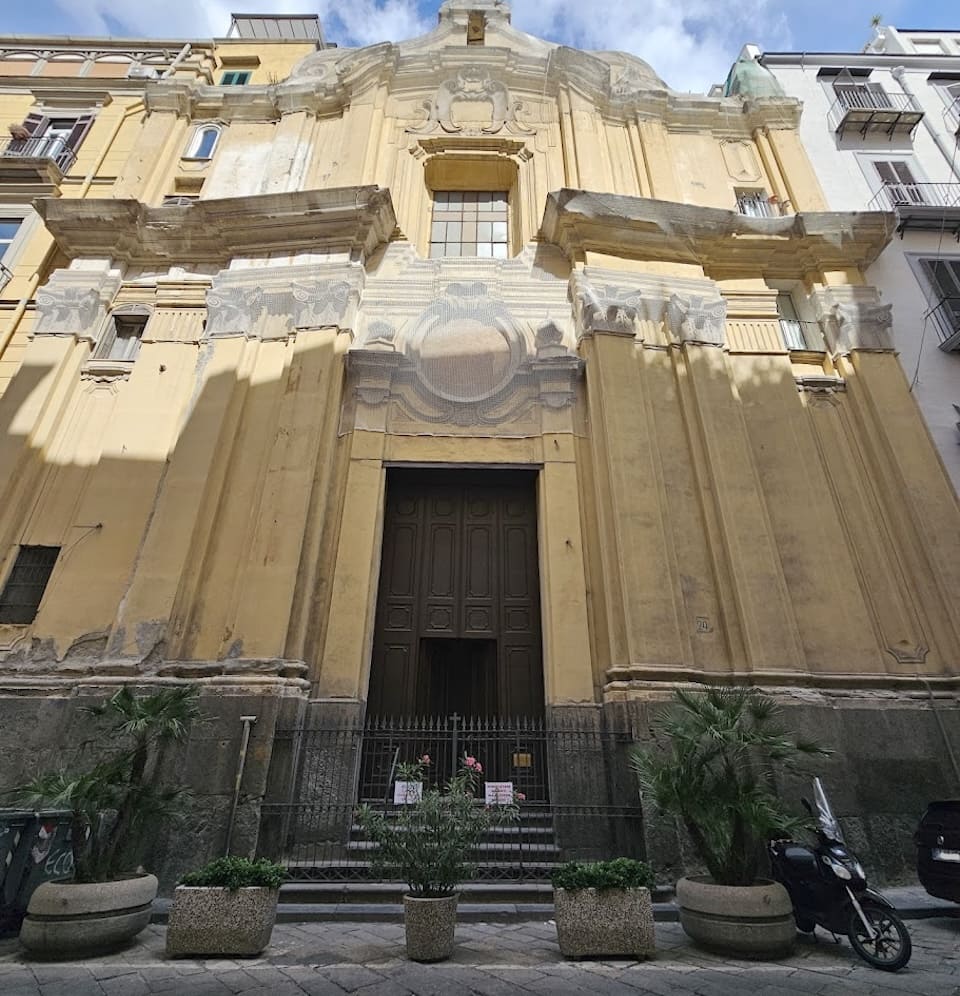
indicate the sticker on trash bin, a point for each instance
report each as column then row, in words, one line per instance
column 498, row 793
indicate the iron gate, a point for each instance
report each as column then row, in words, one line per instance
column 580, row 797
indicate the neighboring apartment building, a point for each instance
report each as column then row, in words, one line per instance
column 881, row 129
column 451, row 378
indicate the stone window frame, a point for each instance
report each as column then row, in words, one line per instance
column 195, row 144
column 102, row 363
column 803, row 305
column 478, row 165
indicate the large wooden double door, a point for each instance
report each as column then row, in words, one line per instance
column 458, row 607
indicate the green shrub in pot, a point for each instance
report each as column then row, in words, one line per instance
column 604, row 908
column 228, row 907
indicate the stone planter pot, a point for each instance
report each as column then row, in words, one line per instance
column 613, row 923
column 79, row 918
column 753, row 921
column 216, row 921
column 430, row 926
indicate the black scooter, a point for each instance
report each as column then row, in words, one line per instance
column 828, row 888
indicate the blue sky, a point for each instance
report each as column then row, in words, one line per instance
column 690, row 43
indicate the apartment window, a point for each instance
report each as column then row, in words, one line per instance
column 950, row 92
column 203, row 142
column 899, row 182
column 235, row 78
column 8, row 232
column 756, row 204
column 120, row 341
column 791, row 328
column 944, row 277
column 23, row 592
column 469, row 223
column 56, row 138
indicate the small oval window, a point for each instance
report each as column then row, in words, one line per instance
column 203, row 144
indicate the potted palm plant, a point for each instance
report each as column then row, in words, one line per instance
column 114, row 804
column 724, row 747
column 226, row 908
column 604, row 909
column 428, row 844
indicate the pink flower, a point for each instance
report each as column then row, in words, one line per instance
column 520, row 797
column 470, row 762
column 478, row 768
column 425, row 759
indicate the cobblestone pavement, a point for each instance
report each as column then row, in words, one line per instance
column 491, row 960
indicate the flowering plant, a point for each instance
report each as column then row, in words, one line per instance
column 429, row 843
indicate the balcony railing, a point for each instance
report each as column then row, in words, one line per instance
column 757, row 206
column 946, row 320
column 868, row 107
column 52, row 147
column 898, row 195
column 931, row 206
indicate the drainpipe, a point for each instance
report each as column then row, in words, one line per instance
column 248, row 722
column 181, row 55
column 899, row 73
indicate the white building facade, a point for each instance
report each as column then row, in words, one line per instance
column 881, row 129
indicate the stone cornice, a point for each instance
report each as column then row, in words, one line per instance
column 723, row 242
column 330, row 81
column 353, row 220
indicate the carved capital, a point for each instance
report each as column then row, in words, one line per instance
column 852, row 318
column 607, row 309
column 75, row 302
column 278, row 301
column 697, row 319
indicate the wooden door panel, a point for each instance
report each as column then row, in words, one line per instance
column 459, row 563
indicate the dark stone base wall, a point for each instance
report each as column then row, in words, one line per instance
column 41, row 732
column 890, row 761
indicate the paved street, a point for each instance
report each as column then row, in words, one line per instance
column 491, row 960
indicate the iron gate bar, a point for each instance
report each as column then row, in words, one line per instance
column 581, row 796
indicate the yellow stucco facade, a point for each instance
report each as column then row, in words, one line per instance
column 712, row 506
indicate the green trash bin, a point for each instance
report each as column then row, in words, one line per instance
column 34, row 848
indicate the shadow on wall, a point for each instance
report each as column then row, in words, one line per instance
column 220, row 514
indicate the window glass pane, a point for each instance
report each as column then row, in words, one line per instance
column 469, row 222
column 499, row 250
column 26, row 584
column 208, row 139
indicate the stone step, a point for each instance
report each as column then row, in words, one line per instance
column 516, row 848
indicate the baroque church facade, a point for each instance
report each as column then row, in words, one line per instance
column 447, row 378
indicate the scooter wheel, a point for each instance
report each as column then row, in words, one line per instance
column 890, row 948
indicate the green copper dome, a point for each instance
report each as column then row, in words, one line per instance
column 748, row 78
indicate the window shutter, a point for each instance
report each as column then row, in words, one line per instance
column 32, row 123
column 79, row 131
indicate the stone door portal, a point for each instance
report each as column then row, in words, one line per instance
column 458, row 609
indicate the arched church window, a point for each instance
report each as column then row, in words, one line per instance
column 203, row 142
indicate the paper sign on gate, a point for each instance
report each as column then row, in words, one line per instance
column 498, row 793
column 407, row 793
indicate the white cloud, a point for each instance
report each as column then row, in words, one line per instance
column 357, row 22
column 690, row 43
